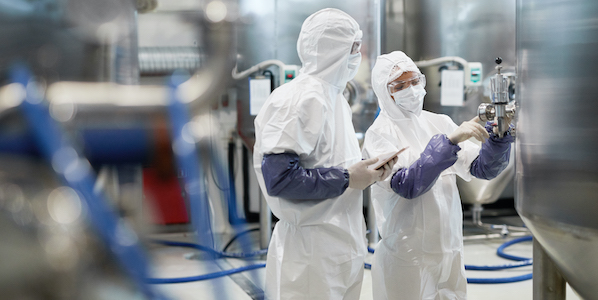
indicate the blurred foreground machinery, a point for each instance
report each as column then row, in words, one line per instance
column 85, row 64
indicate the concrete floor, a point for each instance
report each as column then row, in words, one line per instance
column 484, row 253
column 175, row 262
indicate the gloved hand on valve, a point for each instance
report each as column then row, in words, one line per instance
column 494, row 124
column 467, row 130
column 418, row 207
column 360, row 176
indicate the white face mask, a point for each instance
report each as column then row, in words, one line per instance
column 353, row 66
column 410, row 99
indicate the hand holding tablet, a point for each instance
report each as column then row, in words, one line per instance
column 385, row 158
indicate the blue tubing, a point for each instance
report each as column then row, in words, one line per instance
column 522, row 261
column 366, row 265
column 217, row 254
column 203, row 277
column 188, row 163
column 74, row 171
column 500, row 280
column 500, row 251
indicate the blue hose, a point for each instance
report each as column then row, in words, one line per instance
column 203, row 277
column 522, row 261
column 499, row 267
column 500, row 280
column 74, row 171
column 186, row 155
column 188, row 164
column 216, row 253
column 500, row 251
column 370, row 250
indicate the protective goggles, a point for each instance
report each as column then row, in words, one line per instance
column 399, row 85
column 356, row 48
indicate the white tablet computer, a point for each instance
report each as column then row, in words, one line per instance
column 385, row 159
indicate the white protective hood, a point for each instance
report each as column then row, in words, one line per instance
column 389, row 67
column 324, row 45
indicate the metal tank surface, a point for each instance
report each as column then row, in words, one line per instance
column 78, row 59
column 556, row 158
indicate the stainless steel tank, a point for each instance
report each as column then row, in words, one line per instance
column 556, row 158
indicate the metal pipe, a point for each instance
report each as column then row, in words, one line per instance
column 440, row 60
column 505, row 230
column 489, row 236
column 236, row 75
column 198, row 90
column 165, row 60
column 548, row 283
column 476, row 214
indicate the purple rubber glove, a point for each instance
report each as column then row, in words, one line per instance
column 418, row 178
column 286, row 178
column 494, row 155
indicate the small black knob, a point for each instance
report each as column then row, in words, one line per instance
column 498, row 60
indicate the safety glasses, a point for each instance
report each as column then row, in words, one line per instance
column 356, row 48
column 399, row 85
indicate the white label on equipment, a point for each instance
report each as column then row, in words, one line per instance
column 451, row 90
column 259, row 90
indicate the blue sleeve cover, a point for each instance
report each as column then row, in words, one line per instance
column 494, row 155
column 286, row 178
column 418, row 178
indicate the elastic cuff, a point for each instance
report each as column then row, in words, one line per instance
column 494, row 137
column 394, row 184
column 454, row 147
column 346, row 184
column 451, row 143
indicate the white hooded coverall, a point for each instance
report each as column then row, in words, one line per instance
column 318, row 247
column 420, row 255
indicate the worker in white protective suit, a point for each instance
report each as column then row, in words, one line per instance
column 309, row 166
column 418, row 209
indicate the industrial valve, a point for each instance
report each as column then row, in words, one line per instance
column 500, row 109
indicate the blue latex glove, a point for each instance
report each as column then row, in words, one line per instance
column 286, row 178
column 494, row 155
column 418, row 178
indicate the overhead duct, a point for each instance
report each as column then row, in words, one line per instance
column 165, row 60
